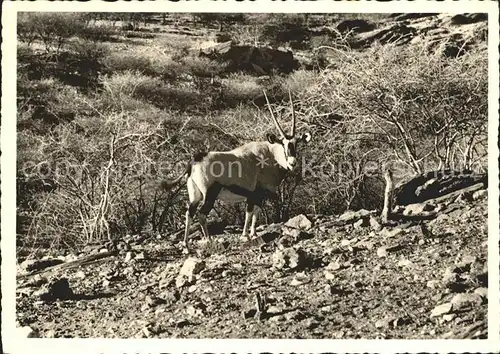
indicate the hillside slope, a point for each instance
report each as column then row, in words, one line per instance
column 335, row 278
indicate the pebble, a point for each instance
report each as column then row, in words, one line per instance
column 441, row 310
column 382, row 252
column 483, row 292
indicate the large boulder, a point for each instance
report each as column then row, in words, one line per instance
column 435, row 184
column 251, row 59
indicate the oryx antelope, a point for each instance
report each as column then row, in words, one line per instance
column 251, row 173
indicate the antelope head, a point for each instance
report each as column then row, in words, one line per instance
column 285, row 152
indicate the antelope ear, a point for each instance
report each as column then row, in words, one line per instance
column 306, row 137
column 272, row 138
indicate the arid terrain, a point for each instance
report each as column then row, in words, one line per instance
column 332, row 277
column 126, row 92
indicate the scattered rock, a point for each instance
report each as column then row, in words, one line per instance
column 383, row 323
column 189, row 269
column 466, row 262
column 289, row 258
column 31, row 265
column 80, row 275
column 382, row 252
column 367, row 245
column 390, row 232
column 58, row 289
column 300, row 279
column 466, row 300
column 449, row 317
column 328, row 275
column 333, row 266
column 450, row 276
column 433, row 284
column 356, row 26
column 128, row 257
column 300, row 222
column 405, row 263
column 352, row 216
column 375, row 224
column 418, row 208
column 363, row 222
column 465, row 19
column 483, row 292
column 441, row 310
column 480, row 194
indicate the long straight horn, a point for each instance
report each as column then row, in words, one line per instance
column 274, row 118
column 293, row 114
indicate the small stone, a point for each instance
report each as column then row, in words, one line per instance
column 449, row 276
column 146, row 332
column 375, row 224
column 480, row 194
column 382, row 323
column 333, row 266
column 300, row 222
column 80, row 275
column 361, row 223
column 418, row 208
column 191, row 310
column 128, row 257
column 328, row 275
column 466, row 300
column 367, row 245
column 289, row 258
column 483, row 292
column 405, row 263
column 150, row 301
column 433, row 284
column 39, row 264
column 441, row 310
column 352, row 216
column 60, row 289
column 344, row 242
column 51, row 334
column 466, row 262
column 449, row 317
column 140, row 256
column 105, row 283
column 399, row 322
column 192, row 289
column 382, row 252
column 299, row 280
column 388, row 232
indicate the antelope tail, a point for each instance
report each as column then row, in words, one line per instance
column 167, row 184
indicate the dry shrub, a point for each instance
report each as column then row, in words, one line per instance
column 147, row 62
column 121, row 86
column 239, row 88
column 202, row 67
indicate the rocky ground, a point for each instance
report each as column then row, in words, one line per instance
column 348, row 276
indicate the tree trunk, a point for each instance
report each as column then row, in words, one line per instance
column 389, row 185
